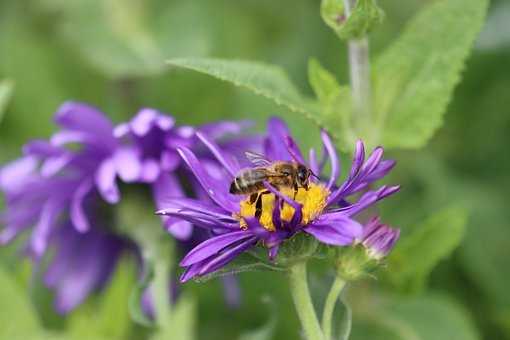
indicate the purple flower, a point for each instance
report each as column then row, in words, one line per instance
column 61, row 190
column 324, row 211
column 379, row 239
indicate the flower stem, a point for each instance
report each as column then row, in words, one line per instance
column 161, row 286
column 359, row 65
column 302, row 301
column 329, row 307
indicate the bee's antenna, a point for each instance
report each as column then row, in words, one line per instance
column 314, row 175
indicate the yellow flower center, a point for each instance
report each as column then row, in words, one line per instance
column 313, row 201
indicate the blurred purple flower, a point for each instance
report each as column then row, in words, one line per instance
column 379, row 239
column 323, row 211
column 58, row 190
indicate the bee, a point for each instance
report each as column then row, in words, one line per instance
column 279, row 174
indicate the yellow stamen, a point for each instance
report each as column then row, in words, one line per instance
column 313, row 201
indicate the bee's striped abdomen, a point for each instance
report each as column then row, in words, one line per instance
column 248, row 181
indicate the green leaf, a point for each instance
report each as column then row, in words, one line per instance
column 363, row 17
column 17, row 316
column 416, row 75
column 265, row 80
column 335, row 103
column 5, row 94
column 272, row 82
column 417, row 254
column 419, row 318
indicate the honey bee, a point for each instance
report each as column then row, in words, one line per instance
column 279, row 174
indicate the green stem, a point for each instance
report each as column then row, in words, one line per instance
column 303, row 302
column 161, row 255
column 329, row 307
column 161, row 291
column 359, row 65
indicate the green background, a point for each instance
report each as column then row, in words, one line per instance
column 110, row 54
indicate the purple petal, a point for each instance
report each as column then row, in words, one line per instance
column 216, row 193
column 276, row 145
column 54, row 165
column 65, row 137
column 105, row 181
column 127, row 163
column 335, row 170
column 167, row 186
column 170, row 160
column 222, row 158
column 179, row 229
column 121, row 130
column 41, row 148
column 342, row 224
column 328, row 235
column 220, row 129
column 225, row 257
column 382, row 170
column 359, row 157
column 87, row 119
column 14, row 175
column 372, row 161
column 150, row 171
column 212, row 246
column 79, row 116
column 215, row 263
column 165, row 122
column 314, row 165
column 141, row 124
column 41, row 232
column 294, row 150
column 77, row 213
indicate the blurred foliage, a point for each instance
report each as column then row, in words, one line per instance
column 111, row 54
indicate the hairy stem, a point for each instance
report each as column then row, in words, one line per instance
column 359, row 65
column 329, row 307
column 303, row 302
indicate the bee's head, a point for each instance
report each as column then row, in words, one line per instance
column 302, row 176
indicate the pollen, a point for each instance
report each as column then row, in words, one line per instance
column 313, row 201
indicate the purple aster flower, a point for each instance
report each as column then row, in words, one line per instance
column 379, row 239
column 59, row 191
column 325, row 211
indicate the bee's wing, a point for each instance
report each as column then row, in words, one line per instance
column 257, row 159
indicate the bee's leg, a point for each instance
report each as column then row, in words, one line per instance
column 258, row 204
column 253, row 197
column 295, row 190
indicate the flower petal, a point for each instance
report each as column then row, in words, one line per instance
column 127, row 163
column 141, row 124
column 105, row 181
column 212, row 246
column 83, row 117
column 150, row 171
column 333, row 157
column 77, row 213
column 276, row 144
column 14, row 175
column 328, row 235
column 41, row 232
column 216, row 193
column 222, row 158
